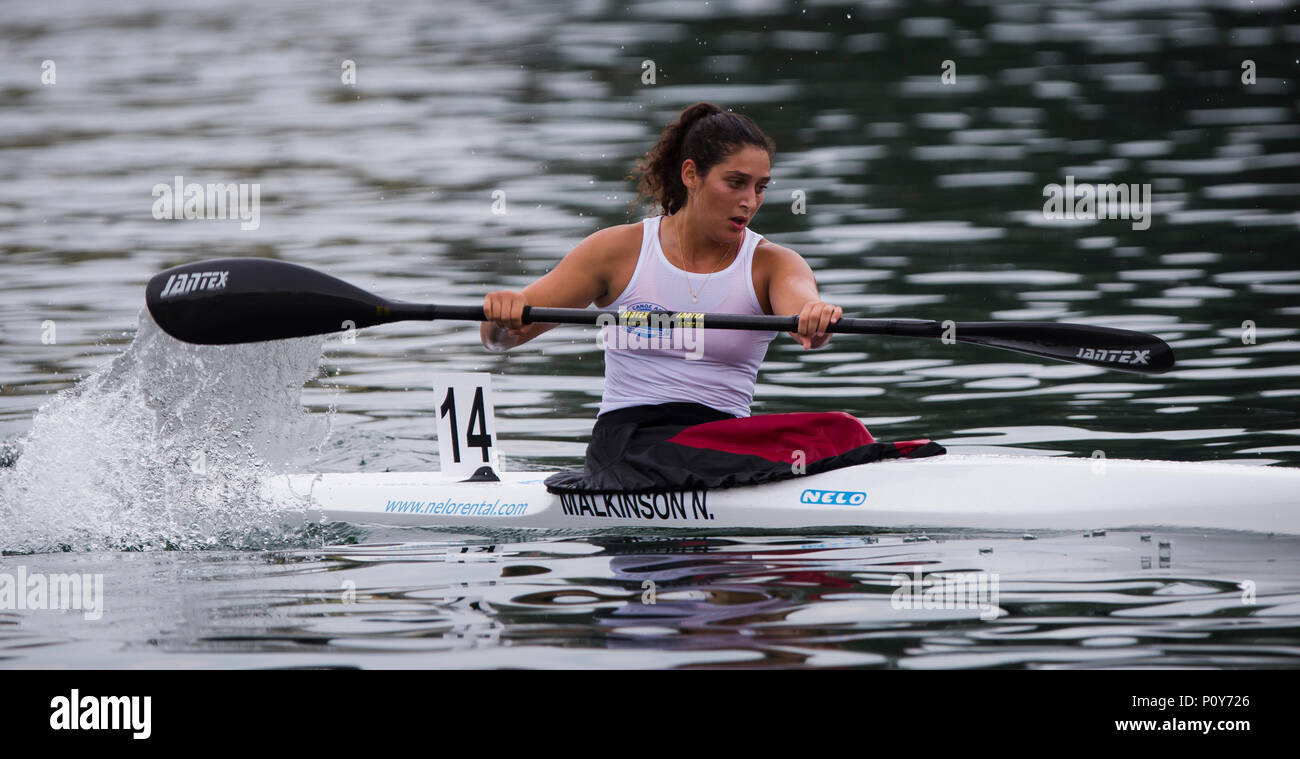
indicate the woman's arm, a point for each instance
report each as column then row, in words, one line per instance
column 581, row 278
column 792, row 289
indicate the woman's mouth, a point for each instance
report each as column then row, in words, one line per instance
column 738, row 222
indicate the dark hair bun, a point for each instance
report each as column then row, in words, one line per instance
column 704, row 133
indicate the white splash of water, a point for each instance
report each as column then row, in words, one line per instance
column 164, row 447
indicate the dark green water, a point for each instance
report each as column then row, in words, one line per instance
column 921, row 199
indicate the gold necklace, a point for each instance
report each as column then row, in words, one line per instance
column 695, row 294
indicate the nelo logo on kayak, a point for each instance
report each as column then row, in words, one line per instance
column 834, row 497
column 1114, row 356
column 179, row 284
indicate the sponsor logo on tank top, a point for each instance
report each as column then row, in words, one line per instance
column 650, row 326
column 646, row 331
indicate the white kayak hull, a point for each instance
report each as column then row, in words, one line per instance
column 953, row 491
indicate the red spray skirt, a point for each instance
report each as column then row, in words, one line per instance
column 686, row 446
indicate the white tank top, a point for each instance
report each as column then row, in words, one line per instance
column 715, row 367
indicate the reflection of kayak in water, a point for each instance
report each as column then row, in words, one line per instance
column 690, row 585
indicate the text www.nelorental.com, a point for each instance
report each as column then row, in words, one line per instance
column 458, row 508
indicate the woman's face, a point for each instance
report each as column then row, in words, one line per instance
column 725, row 200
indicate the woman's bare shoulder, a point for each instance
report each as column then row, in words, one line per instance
column 769, row 255
column 620, row 238
column 610, row 244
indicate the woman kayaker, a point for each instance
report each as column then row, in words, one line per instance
column 708, row 173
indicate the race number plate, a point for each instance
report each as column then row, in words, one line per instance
column 467, row 430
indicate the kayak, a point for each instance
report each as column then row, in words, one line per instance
column 240, row 300
column 954, row 491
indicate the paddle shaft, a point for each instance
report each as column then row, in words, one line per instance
column 755, row 322
column 1078, row 343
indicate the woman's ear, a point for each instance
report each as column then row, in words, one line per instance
column 689, row 175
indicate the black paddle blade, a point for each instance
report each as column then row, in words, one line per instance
column 1106, row 347
column 246, row 300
